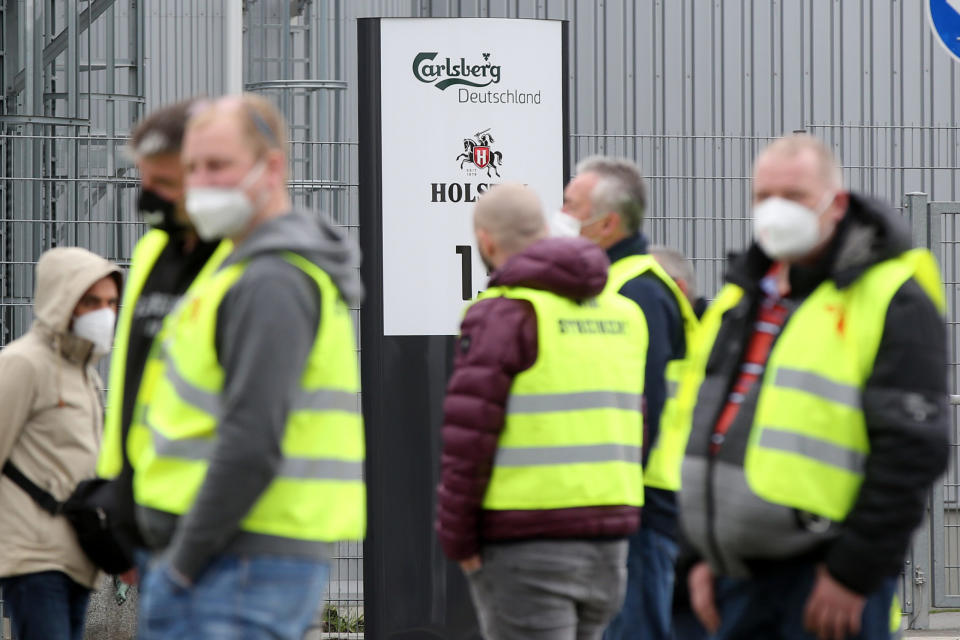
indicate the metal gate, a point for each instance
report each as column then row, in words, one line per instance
column 931, row 576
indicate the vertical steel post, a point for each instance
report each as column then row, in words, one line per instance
column 915, row 204
column 73, row 111
column 111, row 104
column 918, row 572
column 234, row 55
column 33, row 76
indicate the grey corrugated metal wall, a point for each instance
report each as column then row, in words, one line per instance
column 184, row 49
column 692, row 88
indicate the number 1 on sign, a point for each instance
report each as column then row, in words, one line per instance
column 466, row 271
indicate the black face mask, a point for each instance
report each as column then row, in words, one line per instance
column 159, row 212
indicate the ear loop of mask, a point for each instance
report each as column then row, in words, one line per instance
column 594, row 218
column 826, row 202
column 265, row 130
column 255, row 174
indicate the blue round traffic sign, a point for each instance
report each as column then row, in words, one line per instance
column 945, row 23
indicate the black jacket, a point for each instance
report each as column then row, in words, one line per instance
column 667, row 342
column 904, row 400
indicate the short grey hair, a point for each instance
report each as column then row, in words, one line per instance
column 676, row 265
column 620, row 188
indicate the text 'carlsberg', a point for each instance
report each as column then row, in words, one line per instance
column 452, row 72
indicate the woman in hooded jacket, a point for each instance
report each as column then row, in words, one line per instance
column 51, row 417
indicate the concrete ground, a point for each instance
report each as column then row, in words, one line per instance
column 108, row 620
column 943, row 626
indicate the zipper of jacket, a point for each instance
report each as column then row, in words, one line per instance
column 712, row 541
column 711, row 486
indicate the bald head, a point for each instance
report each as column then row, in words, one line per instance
column 260, row 124
column 507, row 219
column 804, row 148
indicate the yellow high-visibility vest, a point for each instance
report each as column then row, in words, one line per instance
column 145, row 256
column 808, row 443
column 573, row 430
column 318, row 493
column 666, row 453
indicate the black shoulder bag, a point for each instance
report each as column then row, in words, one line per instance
column 88, row 510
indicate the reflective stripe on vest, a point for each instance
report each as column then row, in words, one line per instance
column 209, row 402
column 572, row 435
column 666, row 453
column 318, row 493
column 540, row 456
column 547, row 402
column 808, row 444
column 145, row 255
column 201, row 449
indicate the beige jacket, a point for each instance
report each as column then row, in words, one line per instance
column 51, row 417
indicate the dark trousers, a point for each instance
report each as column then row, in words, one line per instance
column 650, row 574
column 771, row 607
column 45, row 606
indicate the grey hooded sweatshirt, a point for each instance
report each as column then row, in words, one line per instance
column 266, row 325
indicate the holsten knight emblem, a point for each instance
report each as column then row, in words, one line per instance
column 477, row 156
column 477, row 152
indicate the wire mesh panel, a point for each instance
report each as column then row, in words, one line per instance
column 887, row 161
column 323, row 180
column 88, row 208
column 945, row 218
column 98, row 212
column 698, row 192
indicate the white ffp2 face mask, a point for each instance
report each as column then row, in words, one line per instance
column 563, row 225
column 97, row 327
column 221, row 212
column 785, row 229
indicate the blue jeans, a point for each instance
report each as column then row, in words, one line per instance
column 646, row 609
column 772, row 607
column 45, row 605
column 235, row 597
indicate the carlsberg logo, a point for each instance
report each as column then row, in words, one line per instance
column 450, row 71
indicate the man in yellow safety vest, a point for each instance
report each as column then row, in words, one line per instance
column 541, row 478
column 606, row 203
column 166, row 260
column 249, row 454
column 816, row 394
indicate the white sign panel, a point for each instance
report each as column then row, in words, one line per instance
column 466, row 104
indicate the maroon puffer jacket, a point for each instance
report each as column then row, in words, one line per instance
column 498, row 340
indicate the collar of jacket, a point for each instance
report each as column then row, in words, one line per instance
column 72, row 348
column 869, row 233
column 634, row 245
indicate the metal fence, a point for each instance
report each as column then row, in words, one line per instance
column 699, row 203
column 943, row 219
column 95, row 209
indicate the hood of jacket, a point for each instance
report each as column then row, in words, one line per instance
column 309, row 235
column 571, row 267
column 869, row 233
column 63, row 275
